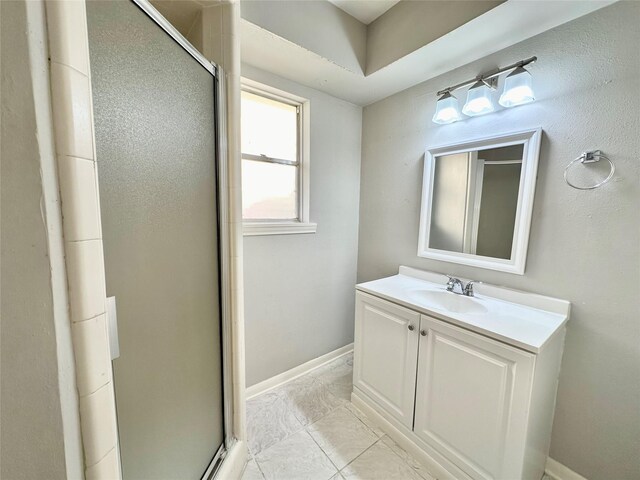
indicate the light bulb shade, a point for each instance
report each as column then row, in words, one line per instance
column 479, row 100
column 447, row 110
column 518, row 89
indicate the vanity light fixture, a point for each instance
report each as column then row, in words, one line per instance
column 518, row 90
column 479, row 99
column 447, row 110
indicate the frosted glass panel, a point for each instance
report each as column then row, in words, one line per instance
column 269, row 127
column 155, row 144
column 269, row 191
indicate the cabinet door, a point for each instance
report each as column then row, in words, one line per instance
column 385, row 355
column 472, row 399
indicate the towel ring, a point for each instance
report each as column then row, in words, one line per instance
column 590, row 157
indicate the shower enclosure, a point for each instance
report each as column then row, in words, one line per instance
column 155, row 115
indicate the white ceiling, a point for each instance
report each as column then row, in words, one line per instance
column 181, row 13
column 364, row 10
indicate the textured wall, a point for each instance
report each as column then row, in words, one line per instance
column 299, row 301
column 584, row 245
column 32, row 435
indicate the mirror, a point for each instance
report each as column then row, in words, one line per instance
column 477, row 199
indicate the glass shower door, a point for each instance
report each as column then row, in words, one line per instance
column 155, row 140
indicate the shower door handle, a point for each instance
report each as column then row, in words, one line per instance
column 112, row 328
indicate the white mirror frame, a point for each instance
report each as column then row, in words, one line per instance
column 531, row 151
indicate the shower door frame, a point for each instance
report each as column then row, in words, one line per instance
column 85, row 330
column 224, row 291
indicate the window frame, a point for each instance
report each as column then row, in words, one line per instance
column 302, row 224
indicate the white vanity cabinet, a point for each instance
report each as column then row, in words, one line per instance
column 384, row 363
column 470, row 405
column 471, row 399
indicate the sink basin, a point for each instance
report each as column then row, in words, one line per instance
column 451, row 302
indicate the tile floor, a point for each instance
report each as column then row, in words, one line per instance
column 309, row 430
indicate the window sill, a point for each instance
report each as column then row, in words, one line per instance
column 277, row 228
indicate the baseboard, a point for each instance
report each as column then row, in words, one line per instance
column 234, row 462
column 282, row 378
column 558, row 471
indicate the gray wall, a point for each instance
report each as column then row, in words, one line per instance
column 584, row 245
column 32, row 434
column 299, row 301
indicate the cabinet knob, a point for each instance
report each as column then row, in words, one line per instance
column 423, row 333
column 411, row 328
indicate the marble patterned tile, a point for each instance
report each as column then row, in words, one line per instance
column 252, row 472
column 270, row 419
column 342, row 436
column 309, row 399
column 407, row 457
column 337, row 376
column 364, row 419
column 335, row 370
column 338, row 433
column 379, row 463
column 300, row 383
column 341, row 390
column 295, row 458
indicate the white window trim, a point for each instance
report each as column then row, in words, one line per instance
column 303, row 224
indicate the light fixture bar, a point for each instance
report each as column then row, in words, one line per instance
column 488, row 76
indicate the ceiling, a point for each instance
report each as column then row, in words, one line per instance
column 181, row 13
column 364, row 10
column 509, row 23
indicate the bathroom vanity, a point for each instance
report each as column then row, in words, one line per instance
column 467, row 384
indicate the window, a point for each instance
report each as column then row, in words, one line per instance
column 275, row 161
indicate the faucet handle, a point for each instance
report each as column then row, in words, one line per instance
column 468, row 289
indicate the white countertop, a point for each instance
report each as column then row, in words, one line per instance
column 524, row 320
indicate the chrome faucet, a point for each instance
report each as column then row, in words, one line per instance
column 451, row 285
column 466, row 290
